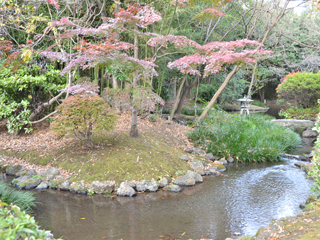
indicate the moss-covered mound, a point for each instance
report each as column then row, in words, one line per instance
column 115, row 157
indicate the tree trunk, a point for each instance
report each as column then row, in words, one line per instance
column 177, row 98
column 114, row 82
column 217, row 94
column 185, row 93
column 134, row 123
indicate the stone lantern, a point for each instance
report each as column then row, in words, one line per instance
column 244, row 105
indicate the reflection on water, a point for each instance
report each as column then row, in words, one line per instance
column 246, row 199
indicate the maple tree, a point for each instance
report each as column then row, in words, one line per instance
column 106, row 49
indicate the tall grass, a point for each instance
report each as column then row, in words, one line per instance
column 24, row 200
column 252, row 138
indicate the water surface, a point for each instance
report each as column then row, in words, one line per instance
column 247, row 198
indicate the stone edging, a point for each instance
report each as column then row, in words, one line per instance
column 30, row 179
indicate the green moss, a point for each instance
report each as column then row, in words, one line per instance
column 118, row 157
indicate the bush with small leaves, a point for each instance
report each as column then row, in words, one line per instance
column 17, row 224
column 83, row 115
column 302, row 89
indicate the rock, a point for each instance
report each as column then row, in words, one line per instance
column 55, row 184
column 223, row 161
column 103, row 187
column 144, row 186
column 132, row 184
column 78, row 188
column 28, row 183
column 294, row 124
column 200, row 151
column 163, row 182
column 219, row 166
column 125, row 190
column 42, row 186
column 185, row 180
column 211, row 170
column 65, row 185
column 198, row 167
column 48, row 235
column 209, row 156
column 47, row 177
column 230, row 160
column 3, row 164
column 3, row 177
column 173, row 188
column 189, row 150
column 50, row 171
column 302, row 206
column 13, row 170
column 32, row 172
column 185, row 158
column 197, row 177
column 309, row 133
column 299, row 164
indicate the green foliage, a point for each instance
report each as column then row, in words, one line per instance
column 25, row 200
column 299, row 113
column 253, row 138
column 315, row 169
column 234, row 89
column 22, row 89
column 302, row 89
column 17, row 224
column 258, row 103
column 84, row 115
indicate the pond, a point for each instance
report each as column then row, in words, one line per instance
column 247, row 198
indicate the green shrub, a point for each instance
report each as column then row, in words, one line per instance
column 83, row 115
column 22, row 89
column 17, row 224
column 253, row 138
column 302, row 89
column 25, row 200
column 299, row 113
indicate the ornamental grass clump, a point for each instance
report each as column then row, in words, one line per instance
column 83, row 115
column 253, row 138
column 25, row 200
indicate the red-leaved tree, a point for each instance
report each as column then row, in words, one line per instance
column 100, row 46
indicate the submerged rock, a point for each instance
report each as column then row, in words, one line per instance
column 125, row 190
column 103, row 187
column 173, row 188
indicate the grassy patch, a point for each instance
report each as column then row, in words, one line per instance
column 116, row 157
column 251, row 138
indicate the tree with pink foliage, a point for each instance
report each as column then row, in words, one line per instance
column 100, row 46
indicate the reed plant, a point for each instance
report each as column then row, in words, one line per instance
column 250, row 138
column 24, row 200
